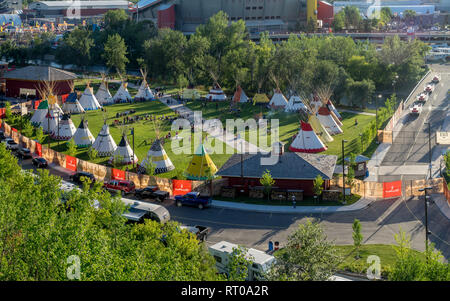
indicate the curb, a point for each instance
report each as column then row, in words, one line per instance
column 312, row 209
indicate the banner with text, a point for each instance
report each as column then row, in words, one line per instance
column 71, row 163
column 392, row 189
column 117, row 174
column 181, row 187
column 39, row 149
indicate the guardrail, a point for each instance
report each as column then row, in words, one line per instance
column 413, row 90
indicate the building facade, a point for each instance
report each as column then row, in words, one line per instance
column 74, row 9
column 259, row 15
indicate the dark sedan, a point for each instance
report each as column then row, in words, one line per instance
column 39, row 162
column 76, row 178
column 24, row 153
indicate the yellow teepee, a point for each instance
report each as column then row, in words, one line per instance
column 201, row 165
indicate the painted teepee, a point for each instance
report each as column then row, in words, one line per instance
column 327, row 120
column 40, row 113
column 333, row 109
column 239, row 95
column 88, row 100
column 50, row 123
column 104, row 143
column 122, row 95
column 124, row 151
column 307, row 141
column 65, row 129
column 278, row 101
column 216, row 93
column 103, row 95
column 144, row 92
column 72, row 105
column 83, row 137
column 158, row 156
column 295, row 104
column 201, row 166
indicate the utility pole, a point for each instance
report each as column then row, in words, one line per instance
column 427, row 203
column 48, row 125
column 132, row 133
column 242, row 165
column 343, row 170
column 429, row 148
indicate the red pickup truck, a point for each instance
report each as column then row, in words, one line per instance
column 122, row 186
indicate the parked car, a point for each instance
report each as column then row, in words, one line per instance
column 151, row 192
column 76, row 177
column 201, row 232
column 139, row 211
column 122, row 186
column 2, row 136
column 24, row 153
column 193, row 199
column 10, row 144
column 416, row 108
column 39, row 162
column 436, row 79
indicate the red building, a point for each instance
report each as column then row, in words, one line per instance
column 29, row 80
column 295, row 171
column 325, row 12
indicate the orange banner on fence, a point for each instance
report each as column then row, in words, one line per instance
column 38, row 149
column 392, row 189
column 71, row 163
column 181, row 187
column 14, row 130
column 117, row 174
column 2, row 113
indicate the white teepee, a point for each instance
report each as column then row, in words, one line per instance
column 278, row 100
column 295, row 104
column 122, row 95
column 88, row 100
column 65, row 130
column 332, row 108
column 83, row 137
column 324, row 116
column 216, row 94
column 40, row 113
column 103, row 95
column 104, row 143
column 124, row 150
column 307, row 141
column 239, row 95
column 72, row 105
column 159, row 158
column 50, row 122
column 144, row 92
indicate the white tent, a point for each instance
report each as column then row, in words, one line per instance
column 278, row 100
column 40, row 113
column 216, row 94
column 144, row 92
column 65, row 129
column 159, row 158
column 239, row 95
column 295, row 104
column 50, row 122
column 122, row 95
column 72, row 105
column 104, row 143
column 332, row 108
column 103, row 95
column 82, row 136
column 324, row 116
column 88, row 100
column 124, row 150
column 307, row 141
column 315, row 105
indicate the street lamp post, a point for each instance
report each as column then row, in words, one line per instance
column 376, row 109
column 427, row 203
column 343, row 170
column 429, row 148
column 132, row 133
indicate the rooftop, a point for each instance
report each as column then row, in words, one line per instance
column 40, row 73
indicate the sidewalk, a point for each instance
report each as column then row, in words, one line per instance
column 361, row 204
column 441, row 202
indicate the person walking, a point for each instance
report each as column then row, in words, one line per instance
column 293, row 202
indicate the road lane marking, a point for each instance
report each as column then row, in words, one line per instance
column 231, row 224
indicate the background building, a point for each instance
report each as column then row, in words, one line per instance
column 10, row 6
column 325, row 12
column 70, row 9
column 259, row 15
column 29, row 80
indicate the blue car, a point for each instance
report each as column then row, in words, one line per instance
column 193, row 199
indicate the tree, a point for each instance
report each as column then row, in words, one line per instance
column 76, row 47
column 267, row 181
column 308, row 256
column 352, row 17
column 318, row 185
column 339, row 21
column 27, row 129
column 350, row 176
column 39, row 133
column 71, row 147
column 386, row 15
column 115, row 52
column 99, row 239
column 117, row 160
column 8, row 112
column 357, row 236
column 238, row 264
column 447, row 162
column 92, row 153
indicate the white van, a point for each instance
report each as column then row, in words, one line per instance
column 140, row 210
column 261, row 262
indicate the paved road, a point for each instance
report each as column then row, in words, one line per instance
column 411, row 146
